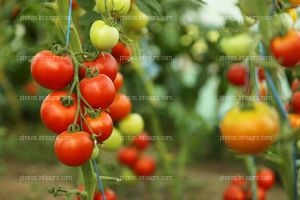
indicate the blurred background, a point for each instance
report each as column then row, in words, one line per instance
column 194, row 77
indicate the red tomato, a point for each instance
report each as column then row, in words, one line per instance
column 74, row 149
column 108, row 193
column 141, row 141
column 55, row 115
column 260, row 193
column 128, row 155
column 121, row 53
column 31, row 88
column 102, row 126
column 296, row 102
column 118, row 82
column 286, row 49
column 74, row 4
column 239, row 181
column 145, row 166
column 234, row 192
column 98, row 91
column 236, row 74
column 120, row 107
column 265, row 178
column 261, row 74
column 295, row 85
column 105, row 63
column 52, row 71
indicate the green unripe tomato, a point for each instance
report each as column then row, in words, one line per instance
column 117, row 7
column 237, row 45
column 135, row 20
column 95, row 152
column 114, row 142
column 132, row 125
column 102, row 36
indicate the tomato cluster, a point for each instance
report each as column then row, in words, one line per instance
column 133, row 157
column 240, row 188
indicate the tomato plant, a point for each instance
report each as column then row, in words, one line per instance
column 51, row 71
column 73, row 149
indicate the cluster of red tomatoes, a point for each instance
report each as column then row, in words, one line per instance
column 132, row 156
column 240, row 189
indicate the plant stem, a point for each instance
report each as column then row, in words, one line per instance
column 89, row 179
column 250, row 165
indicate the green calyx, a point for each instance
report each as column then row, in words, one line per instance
column 91, row 72
column 74, row 128
column 93, row 113
column 59, row 50
column 67, row 101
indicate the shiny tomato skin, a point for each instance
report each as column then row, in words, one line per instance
column 55, row 115
column 105, row 63
column 119, row 81
column 142, row 141
column 98, row 91
column 237, row 74
column 51, row 71
column 121, row 53
column 252, row 130
column 294, row 119
column 120, row 107
column 145, row 166
column 286, row 49
column 102, row 126
column 234, row 192
column 265, row 178
column 108, row 193
column 295, row 102
column 73, row 149
column 128, row 155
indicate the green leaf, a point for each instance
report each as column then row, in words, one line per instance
column 87, row 4
column 150, row 7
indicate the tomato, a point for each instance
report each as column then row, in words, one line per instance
column 250, row 130
column 108, row 193
column 237, row 74
column 292, row 12
column 120, row 107
column 142, row 141
column 261, row 74
column 121, row 53
column 31, row 88
column 145, row 166
column 55, row 115
column 102, row 36
column 286, row 49
column 260, row 193
column 105, row 63
column 51, row 71
column 295, row 2
column 135, row 20
column 74, row 4
column 128, row 155
column 133, row 124
column 265, row 178
column 98, row 91
column 114, row 142
column 239, row 181
column 117, row 7
column 294, row 120
column 234, row 192
column 295, row 85
column 295, row 102
column 119, row 81
column 74, row 149
column 101, row 125
column 237, row 45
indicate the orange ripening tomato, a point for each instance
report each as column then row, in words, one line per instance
column 295, row 2
column 294, row 120
column 250, row 130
